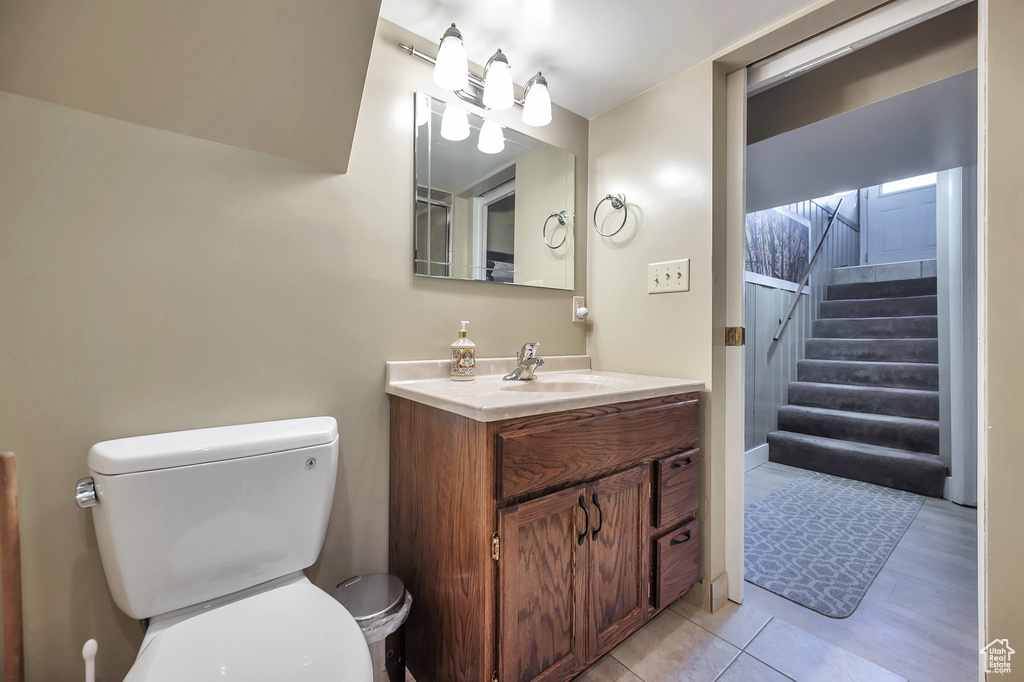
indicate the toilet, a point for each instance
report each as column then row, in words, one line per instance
column 206, row 533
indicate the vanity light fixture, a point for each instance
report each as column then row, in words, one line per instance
column 491, row 139
column 454, row 123
column 495, row 90
column 499, row 93
column 451, row 66
column 537, row 102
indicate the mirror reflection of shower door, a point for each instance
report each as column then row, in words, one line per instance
column 494, row 232
column 432, row 248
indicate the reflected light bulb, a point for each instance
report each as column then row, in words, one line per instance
column 422, row 109
column 491, row 139
column 454, row 123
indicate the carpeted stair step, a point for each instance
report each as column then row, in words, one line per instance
column 874, row 350
column 924, row 286
column 918, row 375
column 913, row 471
column 881, row 307
column 916, row 435
column 909, row 327
column 896, row 402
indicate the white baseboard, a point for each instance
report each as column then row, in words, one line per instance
column 755, row 457
column 948, row 488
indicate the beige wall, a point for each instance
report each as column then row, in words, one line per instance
column 941, row 47
column 658, row 150
column 265, row 75
column 153, row 281
column 1001, row 243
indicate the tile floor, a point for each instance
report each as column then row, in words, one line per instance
column 735, row 644
column 918, row 620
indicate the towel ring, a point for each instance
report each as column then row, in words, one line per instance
column 618, row 201
column 563, row 218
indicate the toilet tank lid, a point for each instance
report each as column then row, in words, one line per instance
column 201, row 446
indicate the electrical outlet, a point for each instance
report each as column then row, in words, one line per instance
column 579, row 302
column 667, row 277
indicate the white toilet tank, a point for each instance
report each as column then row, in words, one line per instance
column 186, row 517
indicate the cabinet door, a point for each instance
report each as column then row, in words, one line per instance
column 541, row 569
column 620, row 513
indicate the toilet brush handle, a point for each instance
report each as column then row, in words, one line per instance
column 89, row 655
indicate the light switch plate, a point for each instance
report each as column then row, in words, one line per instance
column 667, row 277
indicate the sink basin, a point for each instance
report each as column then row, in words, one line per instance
column 567, row 383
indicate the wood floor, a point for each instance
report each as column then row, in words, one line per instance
column 919, row 618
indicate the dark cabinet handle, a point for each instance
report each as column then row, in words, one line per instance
column 586, row 526
column 686, row 462
column 673, row 542
column 600, row 518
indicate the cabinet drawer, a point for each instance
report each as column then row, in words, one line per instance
column 537, row 453
column 677, row 487
column 675, row 563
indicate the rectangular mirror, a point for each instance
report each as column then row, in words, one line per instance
column 501, row 215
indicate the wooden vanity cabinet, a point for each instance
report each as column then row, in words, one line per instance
column 532, row 546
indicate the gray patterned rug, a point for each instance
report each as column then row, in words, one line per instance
column 821, row 540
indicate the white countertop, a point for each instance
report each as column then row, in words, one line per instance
column 563, row 383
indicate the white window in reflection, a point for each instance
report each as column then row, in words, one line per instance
column 916, row 182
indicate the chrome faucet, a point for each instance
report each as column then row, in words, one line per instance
column 526, row 363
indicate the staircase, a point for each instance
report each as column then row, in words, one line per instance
column 866, row 403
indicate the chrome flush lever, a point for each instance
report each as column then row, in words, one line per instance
column 85, row 493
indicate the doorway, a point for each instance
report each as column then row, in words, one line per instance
column 899, row 221
column 494, row 233
column 923, row 596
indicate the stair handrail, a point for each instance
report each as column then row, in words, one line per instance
column 827, row 208
column 807, row 273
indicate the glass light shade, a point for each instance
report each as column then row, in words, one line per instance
column 498, row 90
column 537, row 104
column 454, row 124
column 491, row 139
column 451, row 67
column 422, row 109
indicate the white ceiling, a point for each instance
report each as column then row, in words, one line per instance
column 930, row 128
column 596, row 54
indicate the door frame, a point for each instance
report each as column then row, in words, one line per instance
column 479, row 226
column 735, row 356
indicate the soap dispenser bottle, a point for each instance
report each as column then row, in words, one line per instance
column 463, row 356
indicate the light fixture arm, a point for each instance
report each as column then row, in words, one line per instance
column 474, row 98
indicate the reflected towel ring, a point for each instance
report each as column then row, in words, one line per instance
column 563, row 218
column 618, row 201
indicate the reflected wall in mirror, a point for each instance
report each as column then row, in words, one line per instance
column 492, row 204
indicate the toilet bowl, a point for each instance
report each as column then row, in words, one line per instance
column 294, row 631
column 205, row 534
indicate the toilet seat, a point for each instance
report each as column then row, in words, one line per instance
column 294, row 632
